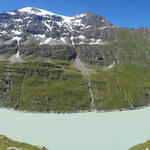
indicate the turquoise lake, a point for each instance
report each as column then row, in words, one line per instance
column 81, row 131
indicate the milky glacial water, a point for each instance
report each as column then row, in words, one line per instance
column 80, row 131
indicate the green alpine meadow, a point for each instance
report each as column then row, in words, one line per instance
column 43, row 86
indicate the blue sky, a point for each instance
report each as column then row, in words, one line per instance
column 125, row 13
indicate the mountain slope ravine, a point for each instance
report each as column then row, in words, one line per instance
column 85, row 72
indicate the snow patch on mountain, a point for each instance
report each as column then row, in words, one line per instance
column 3, row 32
column 81, row 15
column 93, row 42
column 46, row 41
column 71, row 38
column 63, row 39
column 88, row 26
column 16, row 38
column 42, row 12
column 81, row 37
column 11, row 13
column 18, row 20
column 111, row 66
column 76, row 20
column 40, row 35
column 48, row 26
column 5, row 25
column 36, row 11
column 16, row 32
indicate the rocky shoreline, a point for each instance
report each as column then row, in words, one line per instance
column 73, row 112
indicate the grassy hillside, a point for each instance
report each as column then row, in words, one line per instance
column 143, row 146
column 43, row 86
column 127, row 84
column 39, row 84
column 8, row 144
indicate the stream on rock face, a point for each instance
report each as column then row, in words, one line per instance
column 16, row 57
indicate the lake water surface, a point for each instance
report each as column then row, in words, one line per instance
column 81, row 131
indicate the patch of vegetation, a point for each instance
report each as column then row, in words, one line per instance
column 43, row 86
column 8, row 144
column 124, row 86
column 143, row 146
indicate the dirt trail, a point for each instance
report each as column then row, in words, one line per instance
column 86, row 72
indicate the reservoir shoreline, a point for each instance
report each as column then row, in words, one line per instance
column 74, row 112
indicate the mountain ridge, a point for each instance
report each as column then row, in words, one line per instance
column 28, row 20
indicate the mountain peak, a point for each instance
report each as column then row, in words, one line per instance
column 53, row 29
column 90, row 13
column 37, row 11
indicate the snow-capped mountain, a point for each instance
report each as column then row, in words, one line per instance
column 48, row 28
